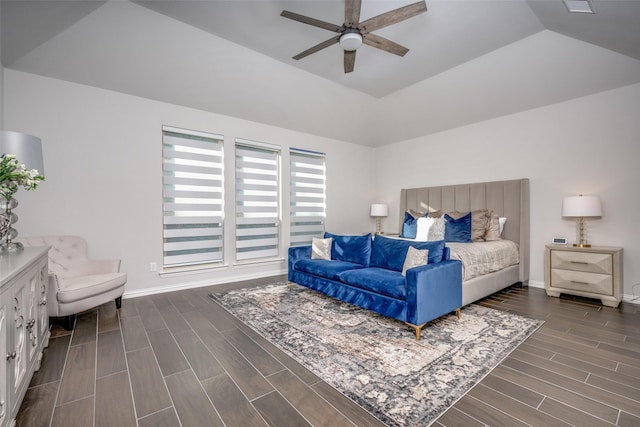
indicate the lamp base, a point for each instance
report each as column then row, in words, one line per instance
column 11, row 247
column 582, row 245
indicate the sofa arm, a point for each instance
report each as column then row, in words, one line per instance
column 52, row 295
column 433, row 290
column 296, row 253
column 90, row 266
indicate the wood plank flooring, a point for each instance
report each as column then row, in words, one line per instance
column 178, row 359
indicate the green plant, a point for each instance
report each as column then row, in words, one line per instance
column 14, row 175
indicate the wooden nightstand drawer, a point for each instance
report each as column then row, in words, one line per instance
column 582, row 281
column 582, row 261
column 594, row 272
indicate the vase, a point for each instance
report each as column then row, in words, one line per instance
column 10, row 233
column 5, row 225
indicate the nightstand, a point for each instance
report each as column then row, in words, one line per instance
column 594, row 272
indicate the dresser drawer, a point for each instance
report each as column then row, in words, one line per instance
column 591, row 262
column 582, row 281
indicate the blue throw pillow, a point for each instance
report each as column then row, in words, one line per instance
column 409, row 226
column 355, row 249
column 390, row 253
column 458, row 230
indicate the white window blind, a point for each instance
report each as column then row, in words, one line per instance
column 257, row 200
column 307, row 197
column 193, row 197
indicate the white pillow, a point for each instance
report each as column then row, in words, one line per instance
column 424, row 224
column 415, row 258
column 321, row 248
column 436, row 231
column 502, row 220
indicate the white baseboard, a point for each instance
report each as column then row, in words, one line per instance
column 536, row 284
column 195, row 284
column 633, row 299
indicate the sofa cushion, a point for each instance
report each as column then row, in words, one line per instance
column 351, row 248
column 390, row 253
column 378, row 280
column 325, row 268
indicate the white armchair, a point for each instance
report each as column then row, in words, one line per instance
column 77, row 283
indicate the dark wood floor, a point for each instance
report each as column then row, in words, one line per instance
column 179, row 359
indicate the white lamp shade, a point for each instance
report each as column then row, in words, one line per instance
column 26, row 148
column 581, row 206
column 379, row 210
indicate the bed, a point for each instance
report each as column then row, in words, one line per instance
column 507, row 199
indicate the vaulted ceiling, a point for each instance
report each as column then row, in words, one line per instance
column 486, row 58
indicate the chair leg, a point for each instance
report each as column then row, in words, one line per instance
column 68, row 322
column 119, row 302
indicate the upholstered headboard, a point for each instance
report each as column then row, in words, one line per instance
column 505, row 198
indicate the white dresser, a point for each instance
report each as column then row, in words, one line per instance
column 594, row 272
column 24, row 324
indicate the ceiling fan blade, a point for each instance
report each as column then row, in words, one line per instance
column 312, row 21
column 319, row 46
column 349, row 60
column 384, row 44
column 352, row 13
column 392, row 17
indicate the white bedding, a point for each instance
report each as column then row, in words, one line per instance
column 481, row 258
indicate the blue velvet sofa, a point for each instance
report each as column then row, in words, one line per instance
column 367, row 272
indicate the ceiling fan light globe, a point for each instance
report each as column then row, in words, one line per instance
column 350, row 41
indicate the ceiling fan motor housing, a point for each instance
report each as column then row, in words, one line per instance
column 351, row 39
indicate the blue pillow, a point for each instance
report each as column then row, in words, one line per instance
column 355, row 249
column 409, row 226
column 458, row 230
column 390, row 253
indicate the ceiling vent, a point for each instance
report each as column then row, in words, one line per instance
column 579, row 6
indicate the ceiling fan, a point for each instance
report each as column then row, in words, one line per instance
column 353, row 33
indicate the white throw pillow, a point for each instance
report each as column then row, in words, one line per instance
column 502, row 220
column 321, row 248
column 424, row 224
column 415, row 258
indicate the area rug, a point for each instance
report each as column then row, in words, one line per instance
column 376, row 361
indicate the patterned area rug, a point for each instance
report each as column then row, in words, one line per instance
column 376, row 361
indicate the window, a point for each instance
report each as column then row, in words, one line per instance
column 257, row 200
column 193, row 197
column 307, row 198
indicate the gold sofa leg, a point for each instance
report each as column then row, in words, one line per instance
column 417, row 329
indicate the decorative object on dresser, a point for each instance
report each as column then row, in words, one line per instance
column 593, row 272
column 21, row 165
column 24, row 324
column 77, row 283
column 379, row 211
column 581, row 207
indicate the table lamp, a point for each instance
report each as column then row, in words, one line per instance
column 379, row 211
column 581, row 207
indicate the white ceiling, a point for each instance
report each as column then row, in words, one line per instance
column 145, row 48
